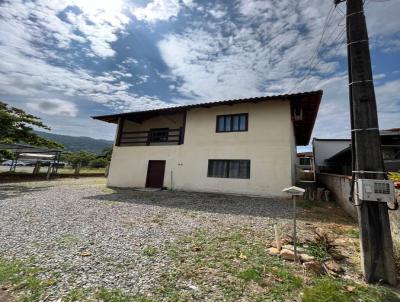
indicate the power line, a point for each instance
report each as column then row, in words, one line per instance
column 317, row 51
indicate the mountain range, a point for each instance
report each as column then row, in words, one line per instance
column 77, row 143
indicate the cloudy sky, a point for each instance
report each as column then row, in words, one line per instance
column 66, row 60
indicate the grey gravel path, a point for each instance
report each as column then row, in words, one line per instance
column 59, row 222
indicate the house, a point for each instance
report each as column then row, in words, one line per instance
column 334, row 155
column 245, row 146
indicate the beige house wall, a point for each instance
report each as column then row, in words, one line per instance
column 268, row 144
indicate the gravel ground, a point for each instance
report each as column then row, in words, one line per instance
column 55, row 222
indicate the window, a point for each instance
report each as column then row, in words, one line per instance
column 229, row 168
column 305, row 161
column 232, row 122
column 158, row 135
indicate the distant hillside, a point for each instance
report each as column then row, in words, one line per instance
column 77, row 143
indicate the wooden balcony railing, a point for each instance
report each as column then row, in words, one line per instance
column 159, row 136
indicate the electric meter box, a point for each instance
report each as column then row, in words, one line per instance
column 375, row 190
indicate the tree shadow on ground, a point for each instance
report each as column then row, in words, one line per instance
column 227, row 204
column 16, row 190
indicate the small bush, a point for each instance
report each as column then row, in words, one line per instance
column 319, row 251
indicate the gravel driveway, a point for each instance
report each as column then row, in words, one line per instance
column 90, row 236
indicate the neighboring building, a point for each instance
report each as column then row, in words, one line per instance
column 245, row 146
column 334, row 155
column 305, row 168
column 326, row 148
column 306, row 160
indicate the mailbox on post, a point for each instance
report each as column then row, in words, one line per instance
column 294, row 191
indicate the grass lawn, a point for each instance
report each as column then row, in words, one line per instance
column 26, row 172
column 82, row 171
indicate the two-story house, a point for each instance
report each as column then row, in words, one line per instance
column 245, row 146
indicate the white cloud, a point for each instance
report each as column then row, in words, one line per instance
column 39, row 22
column 30, row 66
column 334, row 118
column 260, row 52
column 267, row 50
column 55, row 106
column 157, row 10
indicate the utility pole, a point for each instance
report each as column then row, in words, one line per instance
column 375, row 237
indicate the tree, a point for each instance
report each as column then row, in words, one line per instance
column 82, row 157
column 16, row 127
column 98, row 163
column 107, row 152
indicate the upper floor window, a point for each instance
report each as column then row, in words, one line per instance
column 158, row 134
column 232, row 122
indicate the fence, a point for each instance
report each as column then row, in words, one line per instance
column 339, row 185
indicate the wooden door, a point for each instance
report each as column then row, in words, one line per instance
column 155, row 174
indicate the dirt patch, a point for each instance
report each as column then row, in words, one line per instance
column 5, row 296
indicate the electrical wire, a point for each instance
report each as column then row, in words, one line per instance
column 314, row 59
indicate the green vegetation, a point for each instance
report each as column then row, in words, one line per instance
column 74, row 158
column 228, row 266
column 68, row 239
column 98, row 163
column 223, row 266
column 23, row 278
column 16, row 127
column 318, row 250
column 325, row 289
column 119, row 296
column 353, row 233
column 85, row 159
column 309, row 204
column 150, row 251
column 82, row 171
column 395, row 176
column 235, row 266
column 77, row 294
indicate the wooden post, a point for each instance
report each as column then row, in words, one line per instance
column 48, row 172
column 121, row 122
column 277, row 237
column 36, row 169
column 375, row 237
